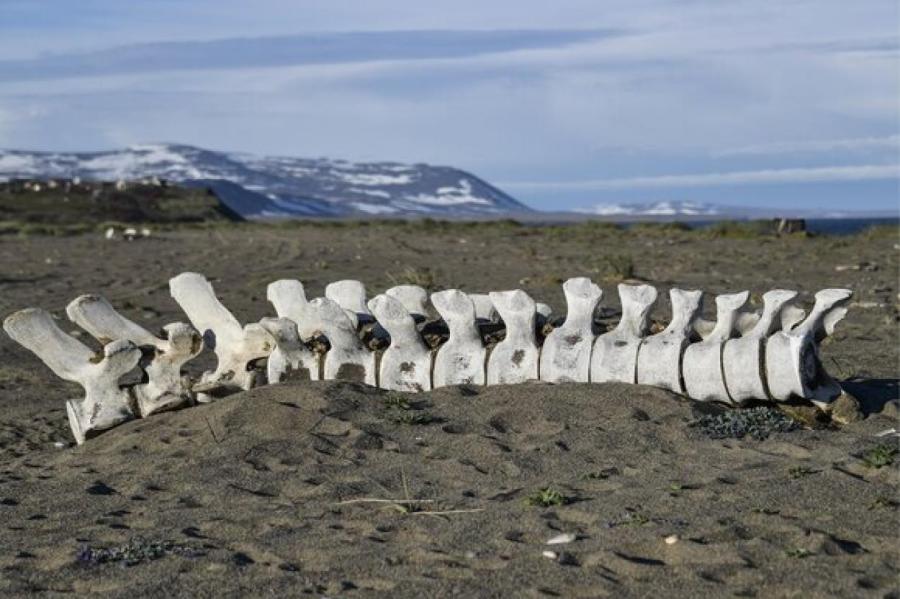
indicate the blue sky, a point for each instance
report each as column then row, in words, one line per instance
column 563, row 104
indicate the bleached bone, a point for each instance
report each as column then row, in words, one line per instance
column 290, row 358
column 406, row 363
column 515, row 359
column 743, row 323
column 459, row 361
column 793, row 366
column 166, row 388
column 413, row 298
column 702, row 362
column 566, row 354
column 236, row 347
column 543, row 309
column 289, row 299
column 351, row 296
column 543, row 315
column 105, row 403
column 347, row 358
column 742, row 358
column 659, row 358
column 615, row 354
column 484, row 308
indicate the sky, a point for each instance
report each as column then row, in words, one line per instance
column 565, row 104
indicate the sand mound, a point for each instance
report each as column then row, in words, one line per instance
column 255, row 493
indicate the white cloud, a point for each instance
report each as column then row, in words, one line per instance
column 786, row 175
column 889, row 142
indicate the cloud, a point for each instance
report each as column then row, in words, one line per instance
column 787, row 175
column 663, row 86
column 307, row 49
column 889, row 142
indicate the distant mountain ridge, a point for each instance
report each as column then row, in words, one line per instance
column 701, row 211
column 666, row 208
column 279, row 187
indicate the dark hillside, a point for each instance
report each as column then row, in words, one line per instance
column 75, row 202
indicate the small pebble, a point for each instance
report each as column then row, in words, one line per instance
column 550, row 554
column 567, row 537
column 58, row 444
column 671, row 539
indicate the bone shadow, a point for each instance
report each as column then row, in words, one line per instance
column 873, row 394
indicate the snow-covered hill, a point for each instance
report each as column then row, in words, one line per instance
column 262, row 187
column 662, row 209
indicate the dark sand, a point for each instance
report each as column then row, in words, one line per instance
column 243, row 497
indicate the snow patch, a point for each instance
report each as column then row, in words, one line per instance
column 375, row 179
column 373, row 208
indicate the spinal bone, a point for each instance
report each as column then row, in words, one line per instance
column 459, row 361
column 413, row 298
column 659, row 358
column 289, row 299
column 566, row 355
column 351, row 296
column 347, row 358
column 236, row 347
column 760, row 363
column 702, row 363
column 166, row 388
column 742, row 361
column 615, row 353
column 406, row 363
column 485, row 312
column 105, row 404
column 515, row 359
column 793, row 365
column 290, row 357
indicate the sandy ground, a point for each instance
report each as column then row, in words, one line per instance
column 248, row 496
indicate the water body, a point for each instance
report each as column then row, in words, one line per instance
column 820, row 226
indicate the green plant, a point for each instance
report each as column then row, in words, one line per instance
column 413, row 418
column 547, row 497
column 801, row 471
column 757, row 423
column 396, row 401
column 880, row 456
column 798, row 552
